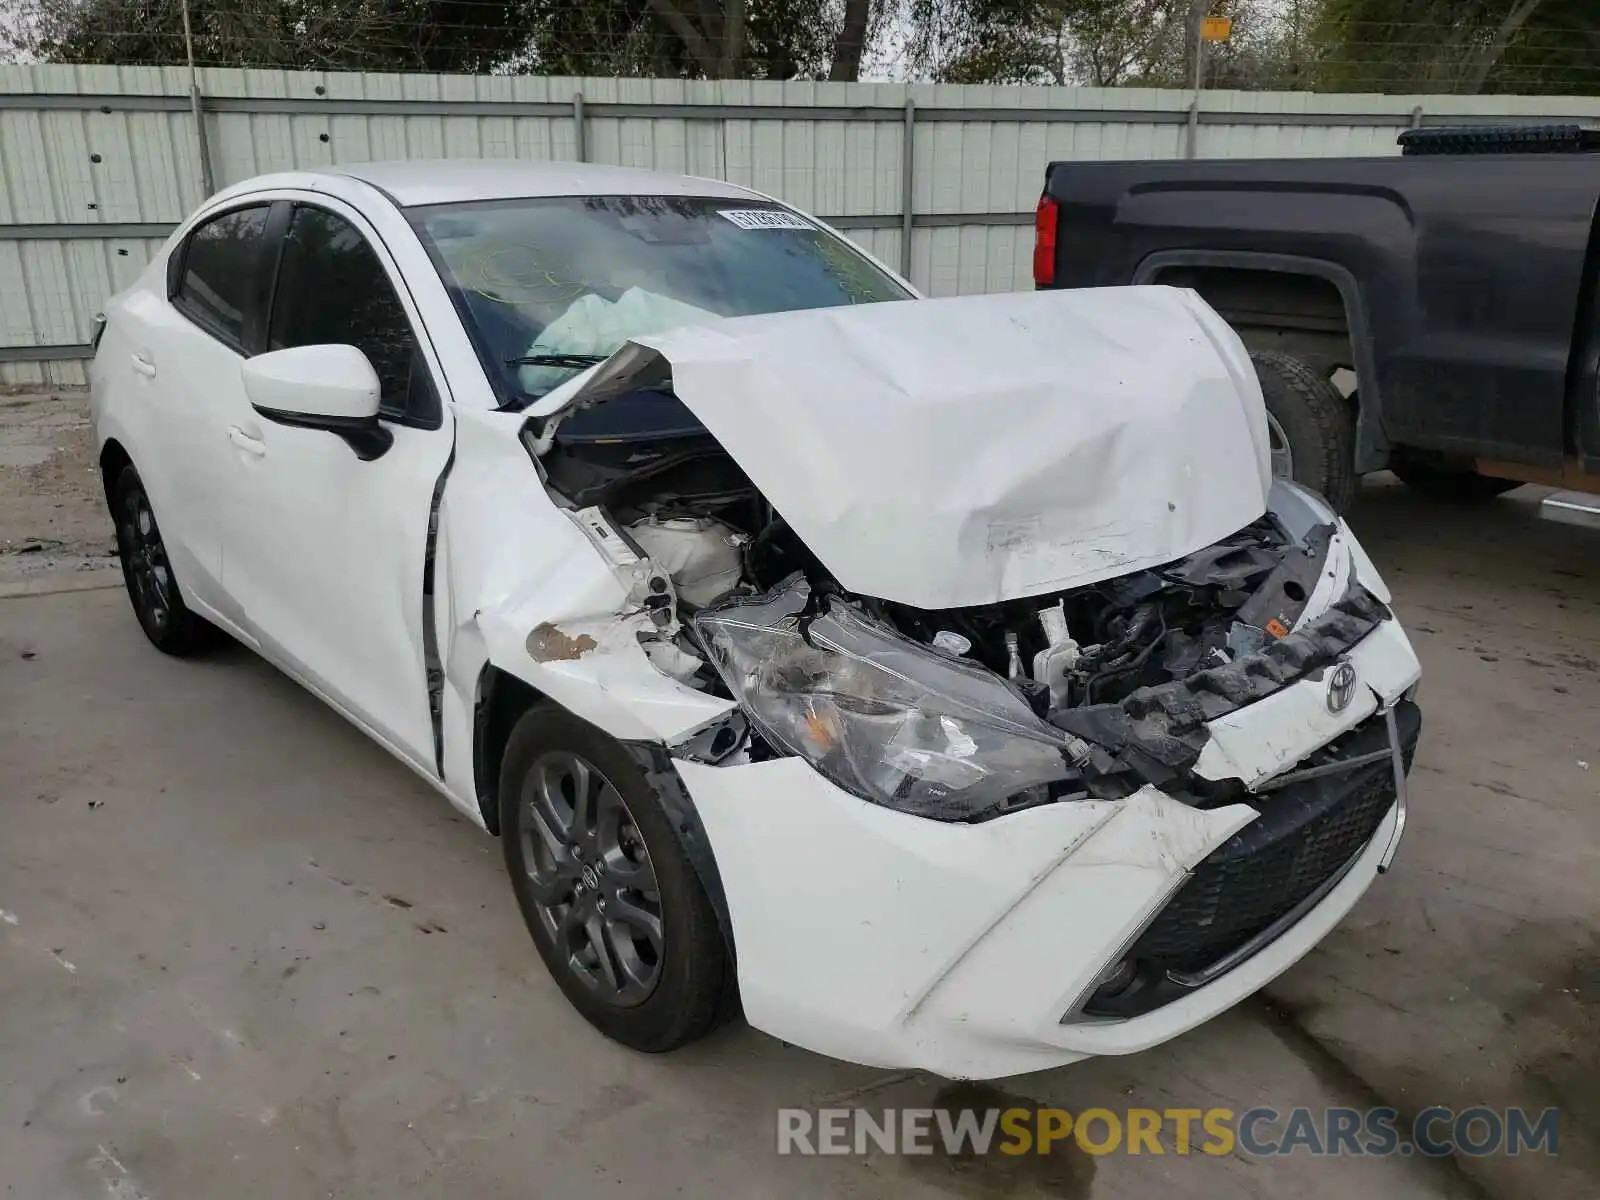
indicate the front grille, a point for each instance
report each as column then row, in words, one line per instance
column 1307, row 832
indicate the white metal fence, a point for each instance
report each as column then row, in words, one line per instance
column 97, row 162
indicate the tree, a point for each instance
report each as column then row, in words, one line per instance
column 1104, row 43
column 710, row 39
column 1469, row 46
column 852, row 41
column 416, row 35
column 713, row 39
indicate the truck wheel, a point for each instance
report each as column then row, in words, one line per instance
column 1446, row 483
column 1311, row 426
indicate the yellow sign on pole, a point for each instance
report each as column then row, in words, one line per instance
column 1215, row 29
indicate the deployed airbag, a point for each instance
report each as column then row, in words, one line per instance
column 594, row 325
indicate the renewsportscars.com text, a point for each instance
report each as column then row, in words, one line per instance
column 1256, row 1132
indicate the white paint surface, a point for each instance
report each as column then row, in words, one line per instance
column 1090, row 435
column 958, row 949
column 943, row 453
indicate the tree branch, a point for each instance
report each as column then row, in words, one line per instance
column 1484, row 61
column 691, row 37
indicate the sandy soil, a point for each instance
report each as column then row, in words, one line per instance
column 53, row 516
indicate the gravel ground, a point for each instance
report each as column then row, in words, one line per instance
column 244, row 952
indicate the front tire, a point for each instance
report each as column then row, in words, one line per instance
column 612, row 903
column 1311, row 425
column 147, row 572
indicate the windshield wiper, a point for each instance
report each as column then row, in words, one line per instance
column 574, row 362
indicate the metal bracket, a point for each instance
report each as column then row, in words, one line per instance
column 908, row 161
column 1398, row 759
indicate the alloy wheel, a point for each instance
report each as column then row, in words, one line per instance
column 149, row 570
column 593, row 885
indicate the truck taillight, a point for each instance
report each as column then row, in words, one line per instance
column 1044, row 242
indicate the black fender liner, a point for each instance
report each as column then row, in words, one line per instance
column 676, row 802
column 1372, row 444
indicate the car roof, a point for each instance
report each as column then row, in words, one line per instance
column 451, row 180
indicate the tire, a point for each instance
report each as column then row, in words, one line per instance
column 1443, row 483
column 1317, row 423
column 146, row 570
column 593, row 887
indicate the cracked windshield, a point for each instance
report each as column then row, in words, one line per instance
column 553, row 285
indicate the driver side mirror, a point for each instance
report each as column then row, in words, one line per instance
column 332, row 388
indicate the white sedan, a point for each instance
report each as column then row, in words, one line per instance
column 946, row 681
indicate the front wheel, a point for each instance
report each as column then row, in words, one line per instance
column 1310, row 427
column 614, row 906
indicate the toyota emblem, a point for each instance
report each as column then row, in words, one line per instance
column 1341, row 687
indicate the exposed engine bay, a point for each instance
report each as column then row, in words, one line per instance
column 1124, row 672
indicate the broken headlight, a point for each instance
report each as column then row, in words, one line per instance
column 882, row 717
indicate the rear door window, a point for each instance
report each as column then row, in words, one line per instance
column 219, row 287
column 333, row 290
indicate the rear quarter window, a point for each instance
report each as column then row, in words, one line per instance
column 218, row 280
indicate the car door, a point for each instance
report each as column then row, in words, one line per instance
column 327, row 553
column 185, row 351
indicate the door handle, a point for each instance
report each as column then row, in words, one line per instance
column 144, row 366
column 250, row 445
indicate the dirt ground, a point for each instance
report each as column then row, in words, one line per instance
column 52, row 511
column 243, row 952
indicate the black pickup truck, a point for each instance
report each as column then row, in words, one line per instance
column 1433, row 313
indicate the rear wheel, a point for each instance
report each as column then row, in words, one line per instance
column 147, row 571
column 1310, row 426
column 611, row 900
column 1450, row 483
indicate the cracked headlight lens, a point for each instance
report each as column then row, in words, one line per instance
column 886, row 719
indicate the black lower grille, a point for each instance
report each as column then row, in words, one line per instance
column 1306, row 833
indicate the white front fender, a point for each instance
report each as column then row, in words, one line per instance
column 530, row 593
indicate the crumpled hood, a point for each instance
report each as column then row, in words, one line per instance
column 944, row 453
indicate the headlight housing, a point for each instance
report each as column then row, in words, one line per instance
column 886, row 719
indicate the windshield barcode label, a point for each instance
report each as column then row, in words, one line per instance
column 764, row 218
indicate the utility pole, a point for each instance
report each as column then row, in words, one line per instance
column 1197, row 13
column 196, row 109
column 1199, row 60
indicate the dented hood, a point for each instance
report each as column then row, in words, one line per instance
column 944, row 453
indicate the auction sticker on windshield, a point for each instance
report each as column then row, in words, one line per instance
column 764, row 218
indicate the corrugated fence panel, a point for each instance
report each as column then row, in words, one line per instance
column 117, row 146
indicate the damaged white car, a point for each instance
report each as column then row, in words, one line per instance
column 946, row 682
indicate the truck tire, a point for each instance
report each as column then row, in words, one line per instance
column 1446, row 483
column 1313, row 421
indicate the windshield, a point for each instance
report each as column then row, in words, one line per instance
column 548, row 285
